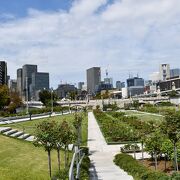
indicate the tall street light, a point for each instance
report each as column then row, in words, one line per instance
column 27, row 96
column 51, row 100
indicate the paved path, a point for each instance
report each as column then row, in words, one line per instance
column 28, row 119
column 102, row 155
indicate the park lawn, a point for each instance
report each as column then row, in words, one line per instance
column 20, row 160
column 145, row 116
column 30, row 126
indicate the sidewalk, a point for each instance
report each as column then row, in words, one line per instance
column 102, row 155
column 28, row 119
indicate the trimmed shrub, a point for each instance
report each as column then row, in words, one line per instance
column 137, row 170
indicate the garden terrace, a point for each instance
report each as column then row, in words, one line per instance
column 29, row 126
column 119, row 128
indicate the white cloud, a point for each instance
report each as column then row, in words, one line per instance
column 128, row 35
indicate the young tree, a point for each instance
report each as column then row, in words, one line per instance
column 58, row 132
column 153, row 144
column 15, row 102
column 4, row 96
column 45, row 97
column 171, row 127
column 77, row 125
column 167, row 150
column 45, row 136
column 66, row 139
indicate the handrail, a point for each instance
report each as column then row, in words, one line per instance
column 71, row 171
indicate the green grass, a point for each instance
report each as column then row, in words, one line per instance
column 30, row 126
column 20, row 160
column 145, row 117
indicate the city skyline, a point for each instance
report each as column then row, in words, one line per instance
column 66, row 38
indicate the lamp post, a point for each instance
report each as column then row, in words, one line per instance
column 51, row 100
column 27, row 96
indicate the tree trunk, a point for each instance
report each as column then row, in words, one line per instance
column 59, row 159
column 175, row 158
column 49, row 162
column 165, row 162
column 134, row 152
column 67, row 155
column 65, row 158
column 142, row 144
column 155, row 158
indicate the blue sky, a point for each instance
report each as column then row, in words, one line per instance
column 19, row 7
column 67, row 37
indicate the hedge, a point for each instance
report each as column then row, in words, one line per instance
column 137, row 170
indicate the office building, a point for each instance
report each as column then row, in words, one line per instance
column 135, row 86
column 174, row 72
column 168, row 84
column 3, row 73
column 30, row 82
column 40, row 81
column 27, row 72
column 64, row 90
column 93, row 79
column 19, row 82
column 103, row 86
column 108, row 81
column 80, row 85
column 120, row 85
column 164, row 71
column 13, row 85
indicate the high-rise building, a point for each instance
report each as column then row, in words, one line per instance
column 93, row 79
column 174, row 72
column 135, row 86
column 64, row 90
column 108, row 80
column 120, row 85
column 19, row 82
column 3, row 73
column 80, row 85
column 27, row 72
column 164, row 71
column 40, row 81
column 13, row 85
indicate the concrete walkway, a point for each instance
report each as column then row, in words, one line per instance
column 28, row 119
column 102, row 155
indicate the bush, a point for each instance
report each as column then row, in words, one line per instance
column 128, row 148
column 85, row 150
column 137, row 170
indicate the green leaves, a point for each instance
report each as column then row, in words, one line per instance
column 4, row 96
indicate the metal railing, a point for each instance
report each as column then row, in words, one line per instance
column 77, row 158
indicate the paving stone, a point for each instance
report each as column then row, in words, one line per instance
column 102, row 155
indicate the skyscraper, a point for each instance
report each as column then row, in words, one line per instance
column 174, row 72
column 120, row 85
column 19, row 82
column 93, row 79
column 40, row 81
column 80, row 85
column 135, row 86
column 3, row 73
column 164, row 71
column 27, row 72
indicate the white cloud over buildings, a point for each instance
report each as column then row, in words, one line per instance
column 128, row 35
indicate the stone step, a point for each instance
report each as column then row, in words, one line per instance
column 24, row 136
column 17, row 134
column 30, row 138
column 12, row 131
column 4, row 129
